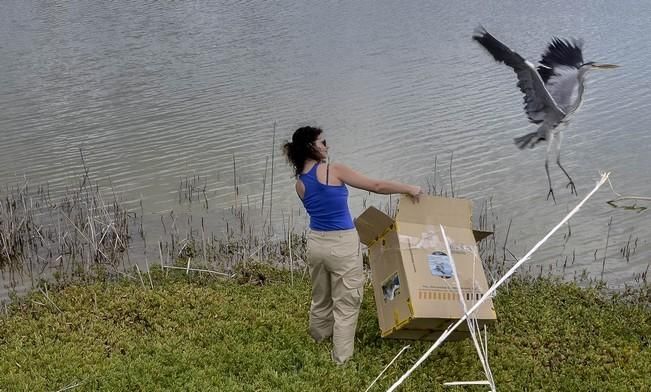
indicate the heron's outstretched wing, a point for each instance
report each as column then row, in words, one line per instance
column 538, row 103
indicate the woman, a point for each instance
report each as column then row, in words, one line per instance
column 334, row 259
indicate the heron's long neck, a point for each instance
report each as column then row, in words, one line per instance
column 579, row 98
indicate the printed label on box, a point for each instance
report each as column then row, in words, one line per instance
column 439, row 264
column 391, row 287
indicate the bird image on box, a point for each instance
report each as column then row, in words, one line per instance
column 552, row 91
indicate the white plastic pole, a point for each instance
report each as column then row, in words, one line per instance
column 386, row 367
column 494, row 287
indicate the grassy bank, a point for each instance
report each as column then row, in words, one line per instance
column 248, row 333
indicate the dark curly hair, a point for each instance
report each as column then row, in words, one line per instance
column 301, row 147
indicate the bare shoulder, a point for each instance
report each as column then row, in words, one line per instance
column 349, row 176
column 339, row 167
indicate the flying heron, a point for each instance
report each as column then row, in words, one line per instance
column 552, row 91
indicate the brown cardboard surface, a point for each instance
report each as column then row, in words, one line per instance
column 436, row 210
column 371, row 224
column 415, row 293
column 392, row 301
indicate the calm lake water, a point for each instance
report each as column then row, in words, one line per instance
column 157, row 92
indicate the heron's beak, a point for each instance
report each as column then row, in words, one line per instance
column 605, row 66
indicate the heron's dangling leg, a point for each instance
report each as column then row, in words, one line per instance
column 558, row 162
column 551, row 191
column 549, row 179
column 569, row 184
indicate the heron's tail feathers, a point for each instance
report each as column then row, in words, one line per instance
column 529, row 140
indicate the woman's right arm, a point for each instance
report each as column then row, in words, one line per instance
column 357, row 180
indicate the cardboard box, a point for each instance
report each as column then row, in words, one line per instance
column 415, row 293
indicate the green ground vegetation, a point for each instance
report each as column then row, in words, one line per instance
column 249, row 333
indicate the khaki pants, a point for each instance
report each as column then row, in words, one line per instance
column 336, row 270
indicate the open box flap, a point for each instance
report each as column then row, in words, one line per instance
column 435, row 210
column 372, row 224
column 481, row 234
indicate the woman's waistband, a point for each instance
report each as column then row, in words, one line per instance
column 331, row 233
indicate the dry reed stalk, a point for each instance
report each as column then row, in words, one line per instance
column 47, row 296
column 205, row 195
column 140, row 276
column 71, row 386
column 148, row 273
column 203, row 241
column 506, row 237
column 237, row 194
column 435, row 174
column 271, row 190
column 5, row 247
column 620, row 197
column 451, row 183
column 181, row 191
column 92, row 235
column 603, row 263
column 264, row 184
column 200, row 270
column 142, row 229
column 160, row 253
column 185, row 243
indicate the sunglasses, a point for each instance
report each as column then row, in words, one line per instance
column 322, row 141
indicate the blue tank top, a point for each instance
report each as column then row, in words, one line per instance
column 327, row 205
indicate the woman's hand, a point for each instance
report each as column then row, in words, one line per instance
column 415, row 192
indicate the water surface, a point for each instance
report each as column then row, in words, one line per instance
column 157, row 92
